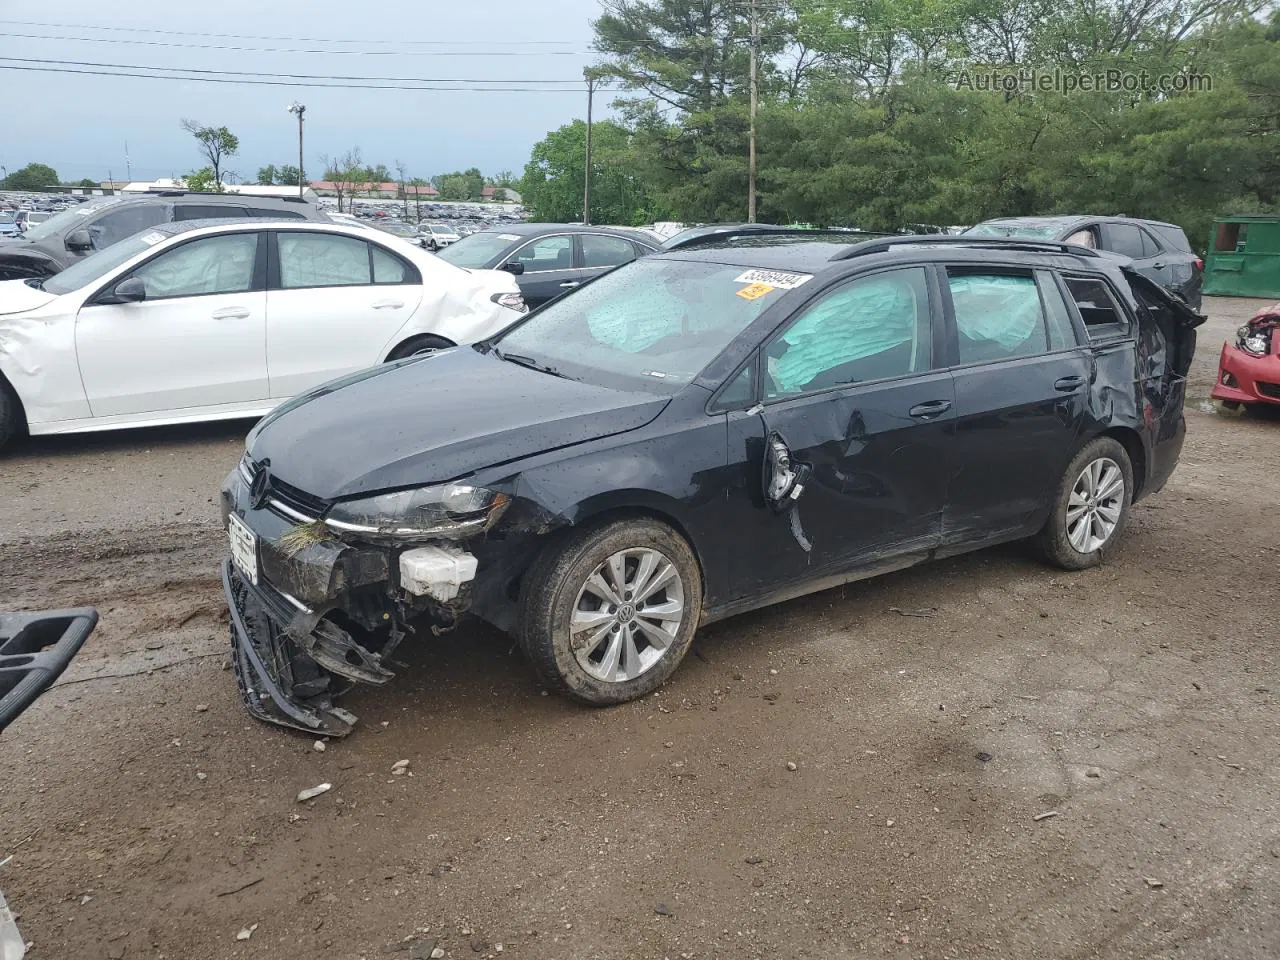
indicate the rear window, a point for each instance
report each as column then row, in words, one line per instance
column 1019, row 231
column 274, row 213
column 1172, row 236
column 1099, row 309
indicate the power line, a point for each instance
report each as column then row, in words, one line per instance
column 249, row 36
column 355, row 53
column 288, row 83
column 288, row 76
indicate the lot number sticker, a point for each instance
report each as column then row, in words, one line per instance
column 775, row 278
column 755, row 291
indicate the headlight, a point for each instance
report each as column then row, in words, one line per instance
column 452, row 510
column 1252, row 341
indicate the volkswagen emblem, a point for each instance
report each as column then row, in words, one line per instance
column 260, row 488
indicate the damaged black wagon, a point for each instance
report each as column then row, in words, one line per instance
column 694, row 435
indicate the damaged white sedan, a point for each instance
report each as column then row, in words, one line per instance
column 216, row 320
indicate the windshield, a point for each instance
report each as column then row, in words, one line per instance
column 478, row 250
column 64, row 220
column 91, row 268
column 6, row 217
column 652, row 325
column 1019, row 231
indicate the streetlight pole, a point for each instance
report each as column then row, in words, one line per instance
column 299, row 109
column 586, row 190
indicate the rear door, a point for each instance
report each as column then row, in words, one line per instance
column 1021, row 381
column 333, row 303
column 197, row 340
column 600, row 252
column 851, row 395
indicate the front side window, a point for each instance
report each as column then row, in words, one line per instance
column 651, row 325
column 871, row 328
column 112, row 227
column 219, row 264
column 998, row 315
column 1125, row 238
column 322, row 260
column 602, row 251
column 1102, row 315
column 549, row 253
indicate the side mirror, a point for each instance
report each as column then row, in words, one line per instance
column 513, row 267
column 131, row 290
column 79, row 241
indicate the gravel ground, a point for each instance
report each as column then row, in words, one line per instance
column 1044, row 766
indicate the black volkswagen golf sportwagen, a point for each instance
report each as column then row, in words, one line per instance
column 694, row 435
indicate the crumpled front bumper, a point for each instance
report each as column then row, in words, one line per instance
column 1244, row 378
column 279, row 682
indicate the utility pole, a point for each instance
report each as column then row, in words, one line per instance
column 128, row 167
column 299, row 109
column 755, row 102
column 586, row 190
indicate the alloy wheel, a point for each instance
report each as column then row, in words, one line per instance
column 627, row 615
column 1095, row 505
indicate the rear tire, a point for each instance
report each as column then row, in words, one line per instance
column 1090, row 508
column 416, row 346
column 601, row 652
column 12, row 423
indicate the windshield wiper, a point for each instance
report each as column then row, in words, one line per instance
column 531, row 363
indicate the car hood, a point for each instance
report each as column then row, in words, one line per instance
column 435, row 419
column 16, row 296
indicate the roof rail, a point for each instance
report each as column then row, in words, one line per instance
column 798, row 234
column 882, row 245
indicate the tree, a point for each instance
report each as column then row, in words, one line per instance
column 288, row 175
column 417, row 183
column 215, row 143
column 346, row 173
column 202, row 181
column 34, row 176
column 459, row 185
column 86, row 182
column 403, row 193
column 268, row 175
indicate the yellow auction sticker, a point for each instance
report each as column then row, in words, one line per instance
column 755, row 291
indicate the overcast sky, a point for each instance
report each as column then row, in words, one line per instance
column 79, row 124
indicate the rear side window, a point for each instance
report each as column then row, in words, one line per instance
column 602, row 251
column 322, row 260
column 1102, row 315
column 1172, row 236
column 1150, row 246
column 270, row 213
column 388, row 268
column 1126, row 239
column 999, row 316
column 206, row 211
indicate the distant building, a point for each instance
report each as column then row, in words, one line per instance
column 500, row 195
column 385, row 191
column 247, row 189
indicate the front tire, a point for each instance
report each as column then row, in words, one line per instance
column 608, row 614
column 12, row 422
column 419, row 346
column 1091, row 506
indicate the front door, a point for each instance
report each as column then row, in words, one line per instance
column 549, row 268
column 197, row 340
column 334, row 304
column 851, row 398
column 1022, row 385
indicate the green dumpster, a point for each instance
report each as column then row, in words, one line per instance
column 1243, row 258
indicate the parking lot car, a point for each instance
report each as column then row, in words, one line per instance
column 30, row 218
column 437, row 236
column 549, row 259
column 9, row 226
column 694, row 435
column 1249, row 366
column 95, row 225
column 212, row 320
column 1159, row 251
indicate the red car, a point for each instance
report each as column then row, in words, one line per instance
column 1249, row 369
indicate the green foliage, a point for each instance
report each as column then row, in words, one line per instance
column 288, row 175
column 202, row 181
column 870, row 117
column 86, row 182
column 215, row 143
column 460, row 185
column 553, row 182
column 268, row 175
column 34, row 176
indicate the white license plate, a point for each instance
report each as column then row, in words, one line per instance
column 244, row 548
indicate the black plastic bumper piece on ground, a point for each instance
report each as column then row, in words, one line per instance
column 263, row 657
column 34, row 650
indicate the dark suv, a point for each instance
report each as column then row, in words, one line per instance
column 60, row 241
column 693, row 435
column 1158, row 250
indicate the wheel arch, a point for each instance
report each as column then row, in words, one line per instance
column 393, row 353
column 1131, row 440
column 7, row 386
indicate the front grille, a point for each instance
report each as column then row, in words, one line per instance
column 1269, row 389
column 286, row 499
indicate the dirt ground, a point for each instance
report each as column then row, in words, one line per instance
column 1045, row 766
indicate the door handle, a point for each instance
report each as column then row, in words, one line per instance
column 1158, row 265
column 231, row 313
column 388, row 305
column 927, row 411
column 1068, row 384
column 570, row 284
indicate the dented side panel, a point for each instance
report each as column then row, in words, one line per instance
column 38, row 358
